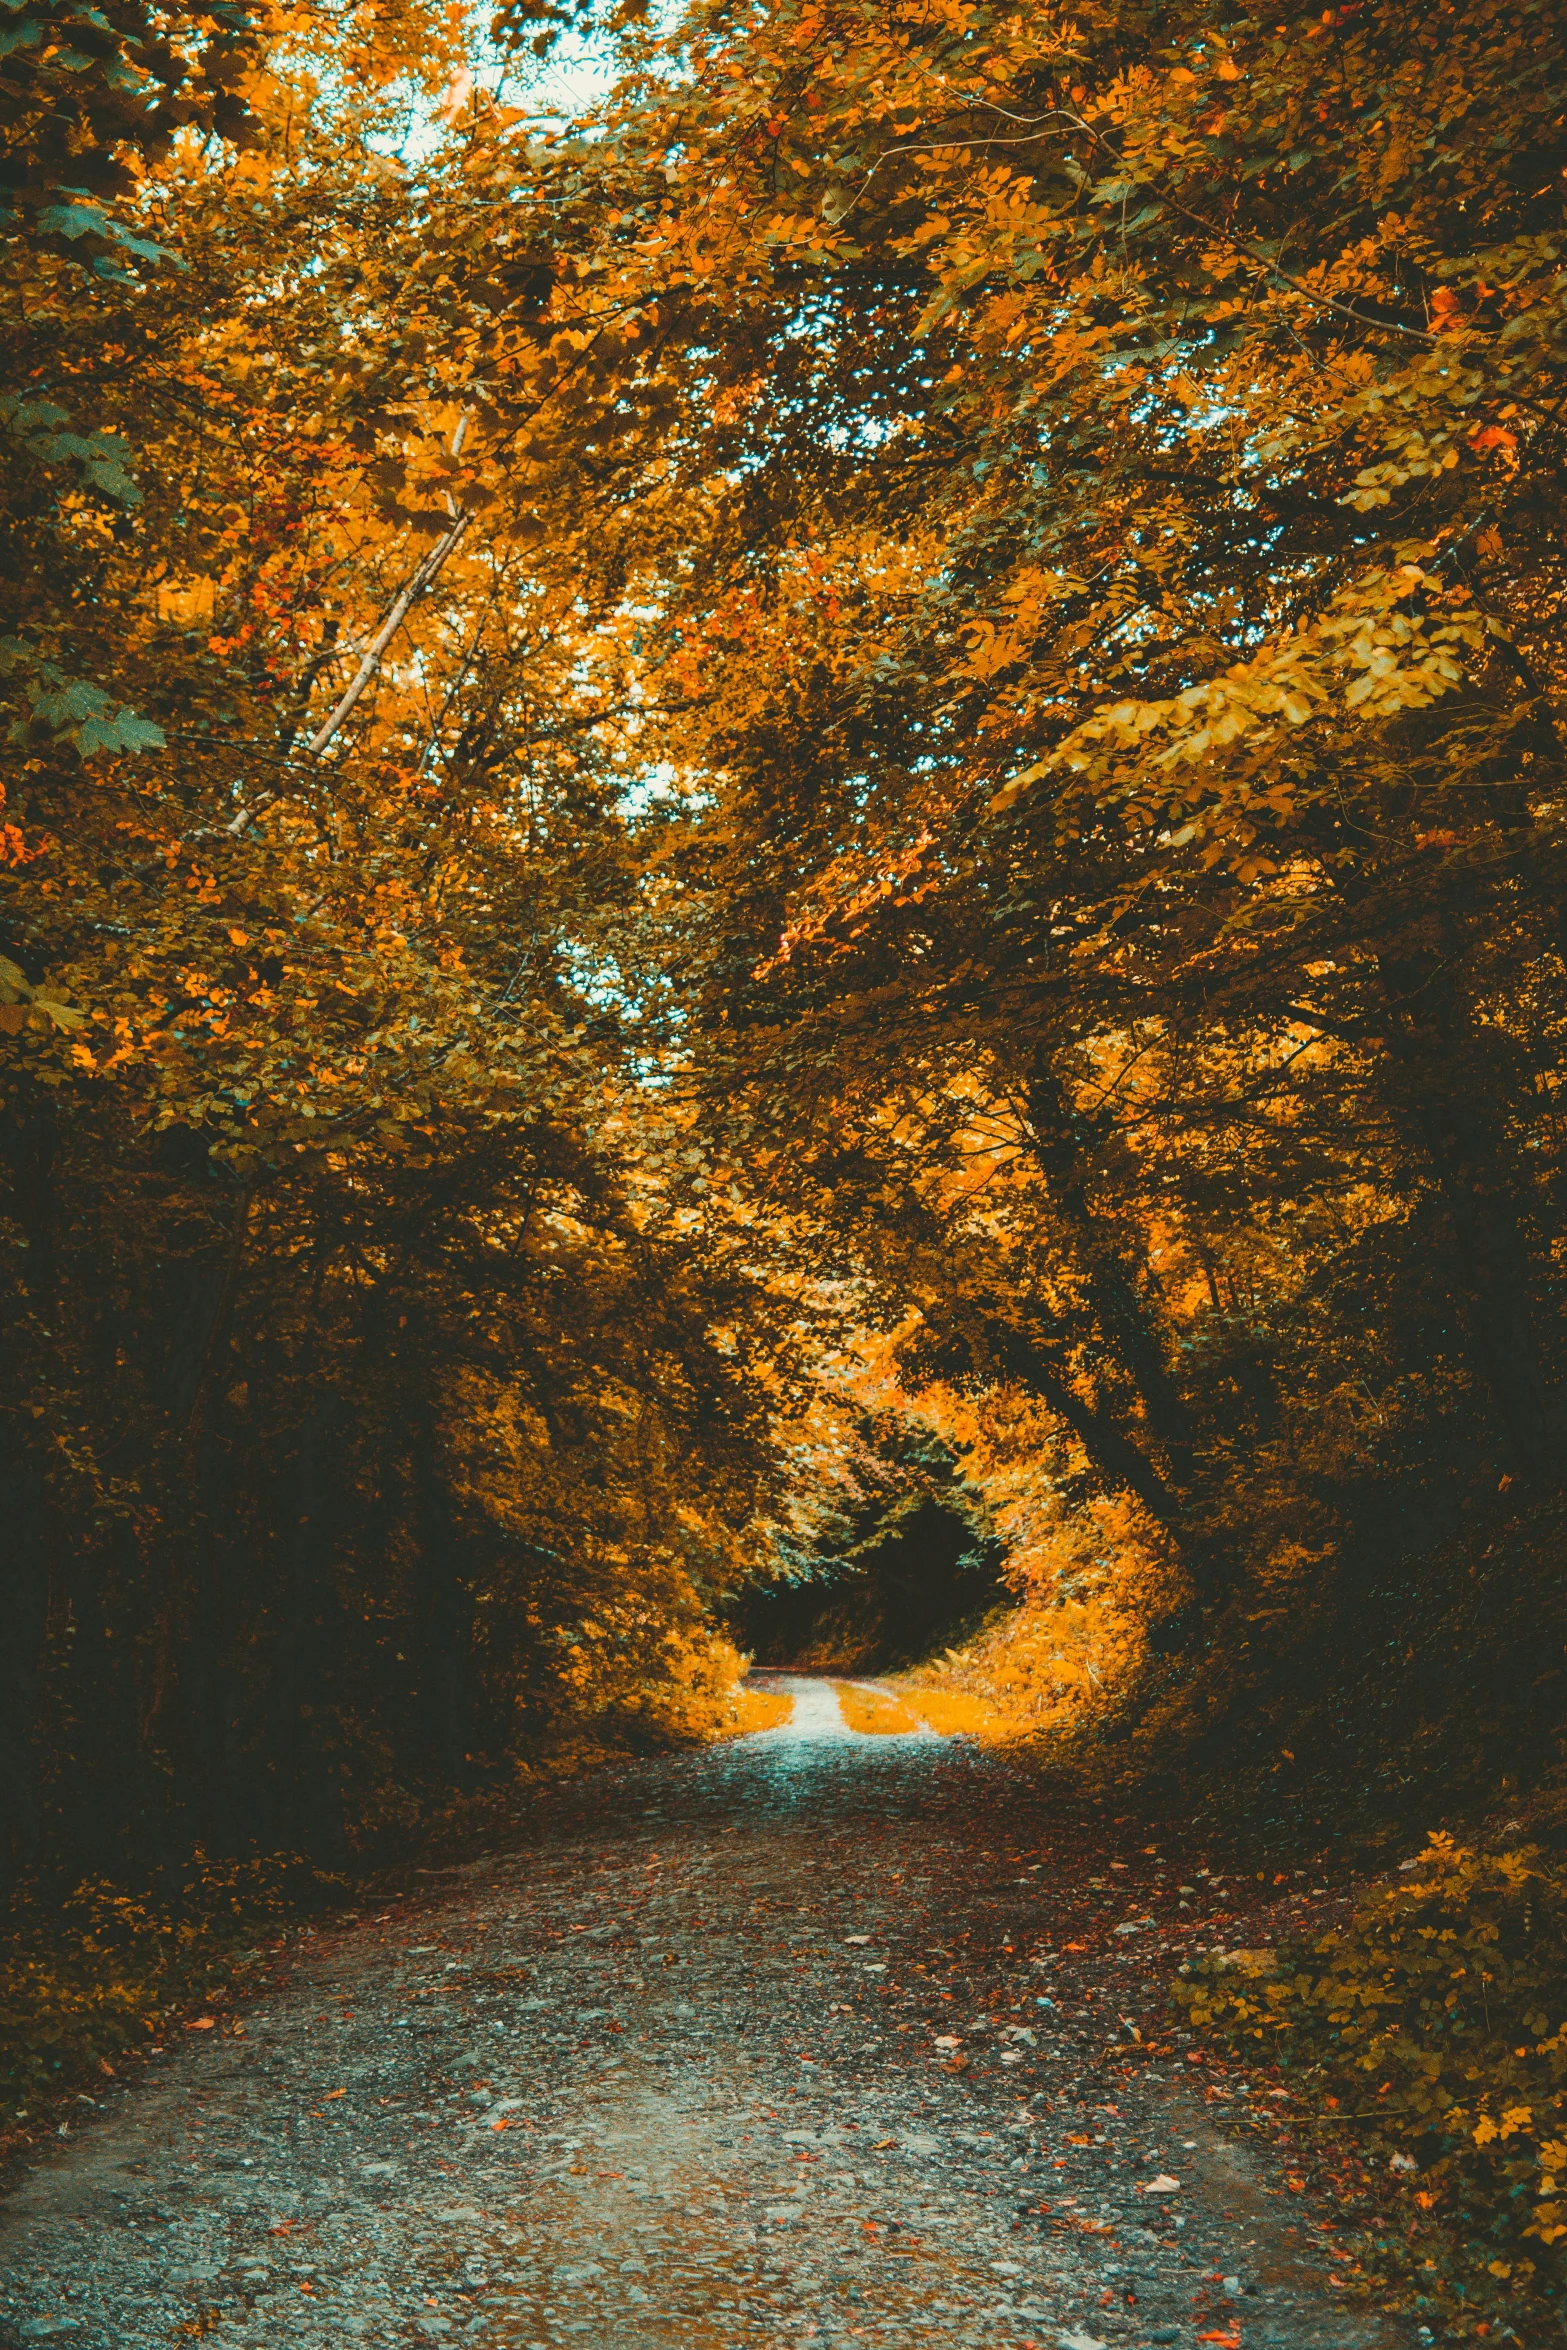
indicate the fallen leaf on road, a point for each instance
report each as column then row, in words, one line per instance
column 202, row 2023
column 857, row 1938
column 948, row 2040
column 1162, row 2185
column 331, row 2093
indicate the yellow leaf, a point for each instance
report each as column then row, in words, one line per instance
column 61, row 1014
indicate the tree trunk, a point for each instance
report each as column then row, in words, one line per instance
column 1128, row 1330
column 444, row 1620
column 1449, row 1083
column 1488, row 1238
column 1119, row 1460
column 24, row 1612
column 308, row 1647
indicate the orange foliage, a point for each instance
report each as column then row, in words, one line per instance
column 954, row 1712
column 752, row 1710
column 1090, row 1573
column 873, row 1712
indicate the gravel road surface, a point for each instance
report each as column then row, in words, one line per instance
column 806, row 2038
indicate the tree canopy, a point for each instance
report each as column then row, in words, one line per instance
column 873, row 730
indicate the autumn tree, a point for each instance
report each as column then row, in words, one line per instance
column 1111, row 478
column 907, row 681
column 376, row 1411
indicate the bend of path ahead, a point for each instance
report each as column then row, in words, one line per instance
column 776, row 2043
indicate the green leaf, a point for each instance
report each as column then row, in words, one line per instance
column 90, row 220
column 123, row 732
column 70, row 709
column 103, row 457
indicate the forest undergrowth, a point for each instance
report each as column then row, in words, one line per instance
column 1408, row 1750
column 94, row 1975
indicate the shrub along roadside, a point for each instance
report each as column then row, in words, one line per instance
column 1431, row 2028
column 87, row 1982
column 84, row 1982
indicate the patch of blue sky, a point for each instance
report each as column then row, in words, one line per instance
column 656, row 783
column 601, row 984
column 661, row 786
column 558, row 90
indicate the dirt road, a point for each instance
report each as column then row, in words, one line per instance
column 783, row 2042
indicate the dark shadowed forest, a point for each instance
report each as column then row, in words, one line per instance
column 783, row 875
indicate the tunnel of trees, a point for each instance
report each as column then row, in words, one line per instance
column 914, row 1586
column 874, row 737
column 784, row 868
column 909, row 1571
